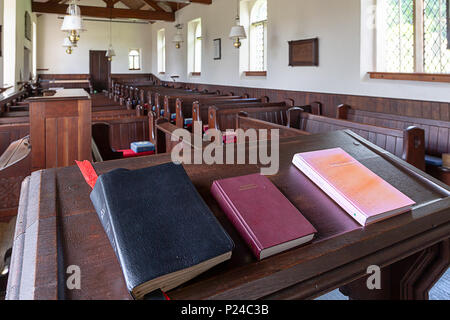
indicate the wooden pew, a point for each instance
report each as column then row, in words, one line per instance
column 223, row 117
column 101, row 136
column 172, row 102
column 159, row 98
column 245, row 122
column 164, row 131
column 14, row 131
column 191, row 108
column 15, row 165
column 407, row 144
column 437, row 132
column 10, row 100
column 125, row 130
column 113, row 114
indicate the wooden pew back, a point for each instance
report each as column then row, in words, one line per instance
column 407, row 144
column 245, row 122
column 125, row 130
column 198, row 109
column 437, row 140
column 224, row 117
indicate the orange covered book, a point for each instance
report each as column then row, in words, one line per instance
column 366, row 197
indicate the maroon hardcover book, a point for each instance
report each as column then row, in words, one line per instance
column 264, row 217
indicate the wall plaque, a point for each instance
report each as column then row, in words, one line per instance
column 304, row 52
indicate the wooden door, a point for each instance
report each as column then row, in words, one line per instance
column 100, row 70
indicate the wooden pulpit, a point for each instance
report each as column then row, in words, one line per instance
column 60, row 129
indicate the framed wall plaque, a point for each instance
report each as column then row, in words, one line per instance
column 217, row 49
column 304, row 53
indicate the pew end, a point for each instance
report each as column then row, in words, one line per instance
column 101, row 137
column 342, row 111
column 414, row 147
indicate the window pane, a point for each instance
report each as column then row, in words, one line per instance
column 198, row 49
column 136, row 63
column 130, row 62
column 398, row 50
column 436, row 54
column 257, row 55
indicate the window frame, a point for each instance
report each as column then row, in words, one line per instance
column 161, row 54
column 195, row 47
column 419, row 73
column 198, row 47
column 256, row 71
column 138, row 56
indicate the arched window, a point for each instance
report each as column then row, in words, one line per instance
column 134, row 57
column 194, row 47
column 162, row 51
column 198, row 48
column 258, row 36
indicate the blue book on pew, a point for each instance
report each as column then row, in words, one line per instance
column 142, row 146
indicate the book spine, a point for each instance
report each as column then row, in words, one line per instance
column 101, row 207
column 236, row 220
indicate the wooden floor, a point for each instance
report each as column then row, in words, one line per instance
column 441, row 291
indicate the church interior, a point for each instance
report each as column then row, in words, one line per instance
column 91, row 87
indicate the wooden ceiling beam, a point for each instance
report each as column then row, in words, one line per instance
column 103, row 12
column 202, row 1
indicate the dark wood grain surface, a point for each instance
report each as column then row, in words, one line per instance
column 68, row 231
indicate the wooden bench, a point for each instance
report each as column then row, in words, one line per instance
column 164, row 134
column 195, row 109
column 113, row 114
column 407, row 144
column 101, row 136
column 223, row 117
column 245, row 122
column 66, row 81
column 437, row 132
column 11, row 100
column 15, row 166
column 12, row 132
column 125, row 130
column 172, row 102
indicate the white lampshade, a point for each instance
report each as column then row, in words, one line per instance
column 110, row 53
column 67, row 43
column 238, row 32
column 178, row 38
column 72, row 23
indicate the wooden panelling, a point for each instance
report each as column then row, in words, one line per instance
column 66, row 76
column 12, row 132
column 414, row 108
column 124, row 131
column 60, row 132
column 436, row 132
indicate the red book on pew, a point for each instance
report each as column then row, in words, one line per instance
column 264, row 217
column 366, row 197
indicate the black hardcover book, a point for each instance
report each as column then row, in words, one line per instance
column 162, row 231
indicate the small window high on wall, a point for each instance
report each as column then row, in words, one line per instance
column 195, row 47
column 134, row 57
column 161, row 51
column 258, row 36
column 412, row 36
